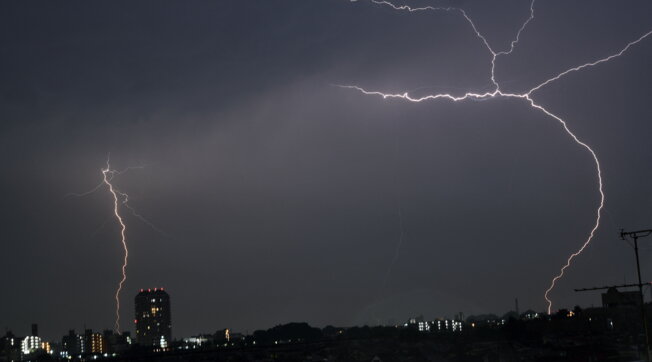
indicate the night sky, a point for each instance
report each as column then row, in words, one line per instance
column 279, row 193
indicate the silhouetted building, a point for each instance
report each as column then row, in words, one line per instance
column 11, row 347
column 615, row 299
column 153, row 318
column 73, row 344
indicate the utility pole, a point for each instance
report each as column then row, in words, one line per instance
column 635, row 235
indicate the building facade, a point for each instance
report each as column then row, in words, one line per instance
column 73, row 344
column 153, row 318
column 94, row 342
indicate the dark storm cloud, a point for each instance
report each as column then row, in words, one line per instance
column 280, row 192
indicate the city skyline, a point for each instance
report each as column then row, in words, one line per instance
column 153, row 341
column 142, row 306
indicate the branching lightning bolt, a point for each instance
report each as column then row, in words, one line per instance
column 497, row 92
column 587, row 65
column 119, row 198
column 140, row 217
column 107, row 175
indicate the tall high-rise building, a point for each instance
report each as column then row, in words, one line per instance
column 153, row 318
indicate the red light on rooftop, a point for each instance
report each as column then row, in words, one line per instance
column 135, row 320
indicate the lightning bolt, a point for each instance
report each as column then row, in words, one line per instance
column 119, row 199
column 140, row 217
column 498, row 93
column 107, row 175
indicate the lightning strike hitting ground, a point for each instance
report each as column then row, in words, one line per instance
column 107, row 175
column 496, row 93
column 119, row 198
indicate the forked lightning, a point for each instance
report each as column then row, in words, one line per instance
column 527, row 97
column 107, row 174
column 119, row 199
